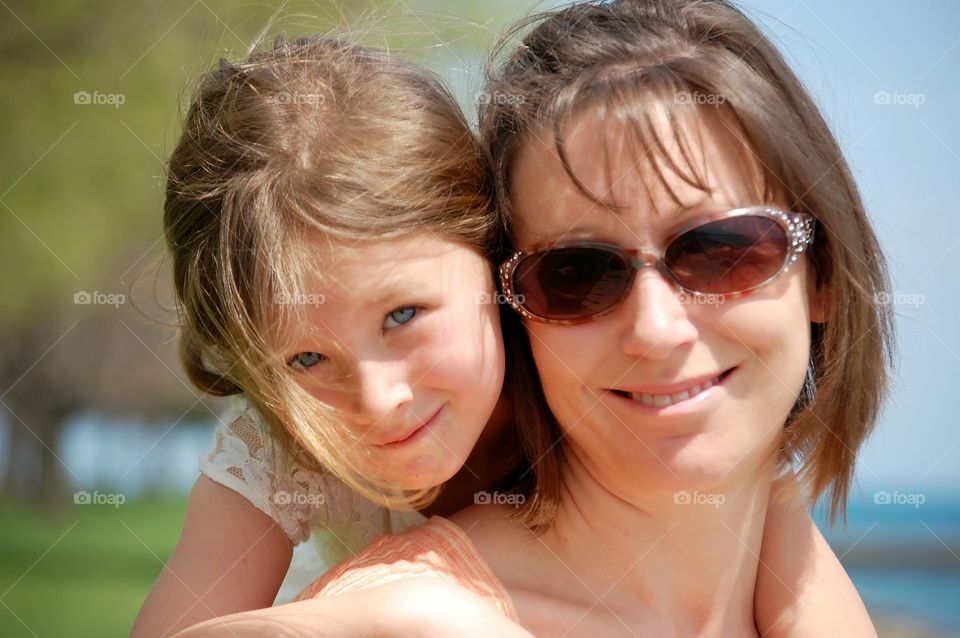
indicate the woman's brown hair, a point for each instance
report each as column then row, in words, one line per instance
column 615, row 60
column 313, row 138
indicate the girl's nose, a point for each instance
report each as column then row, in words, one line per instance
column 381, row 388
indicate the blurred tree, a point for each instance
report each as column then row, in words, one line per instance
column 90, row 109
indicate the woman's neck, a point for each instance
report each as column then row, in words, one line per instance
column 667, row 563
column 681, row 562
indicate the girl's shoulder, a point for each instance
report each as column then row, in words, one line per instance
column 247, row 458
column 438, row 548
column 303, row 500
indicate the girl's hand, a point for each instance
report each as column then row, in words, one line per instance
column 802, row 589
column 231, row 557
column 420, row 607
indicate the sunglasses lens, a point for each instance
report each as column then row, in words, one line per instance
column 571, row 283
column 728, row 255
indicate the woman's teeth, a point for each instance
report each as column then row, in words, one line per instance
column 663, row 400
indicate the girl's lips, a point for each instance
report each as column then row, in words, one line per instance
column 414, row 434
column 676, row 394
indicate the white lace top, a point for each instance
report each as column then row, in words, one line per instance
column 306, row 504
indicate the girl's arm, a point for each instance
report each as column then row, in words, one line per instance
column 231, row 557
column 417, row 607
column 802, row 589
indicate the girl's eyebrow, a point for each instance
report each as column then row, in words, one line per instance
column 388, row 291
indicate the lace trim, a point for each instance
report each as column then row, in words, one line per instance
column 247, row 459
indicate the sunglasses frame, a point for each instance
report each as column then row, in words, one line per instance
column 799, row 228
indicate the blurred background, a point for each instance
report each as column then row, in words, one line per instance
column 99, row 431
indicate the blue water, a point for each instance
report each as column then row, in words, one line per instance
column 930, row 595
column 885, row 534
column 909, row 520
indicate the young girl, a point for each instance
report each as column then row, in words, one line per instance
column 335, row 334
column 327, row 213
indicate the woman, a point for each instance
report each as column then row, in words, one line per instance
column 675, row 136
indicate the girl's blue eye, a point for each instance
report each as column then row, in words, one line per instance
column 304, row 360
column 400, row 316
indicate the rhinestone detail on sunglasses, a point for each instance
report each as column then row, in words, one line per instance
column 798, row 229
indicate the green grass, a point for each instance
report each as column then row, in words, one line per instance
column 84, row 572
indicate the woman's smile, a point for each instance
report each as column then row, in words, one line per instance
column 657, row 399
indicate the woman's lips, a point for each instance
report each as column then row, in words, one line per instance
column 665, row 396
column 414, row 433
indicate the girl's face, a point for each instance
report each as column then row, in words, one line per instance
column 720, row 375
column 403, row 336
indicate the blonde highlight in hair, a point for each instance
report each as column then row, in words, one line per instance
column 312, row 139
column 616, row 60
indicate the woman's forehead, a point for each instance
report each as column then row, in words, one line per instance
column 612, row 168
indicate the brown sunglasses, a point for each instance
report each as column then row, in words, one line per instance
column 730, row 254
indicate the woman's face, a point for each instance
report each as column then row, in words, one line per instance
column 751, row 351
column 402, row 337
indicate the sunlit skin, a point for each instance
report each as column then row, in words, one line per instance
column 657, row 338
column 402, row 339
column 667, row 567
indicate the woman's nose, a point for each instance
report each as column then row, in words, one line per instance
column 656, row 320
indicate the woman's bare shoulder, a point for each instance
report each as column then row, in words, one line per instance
column 533, row 575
